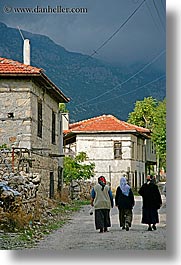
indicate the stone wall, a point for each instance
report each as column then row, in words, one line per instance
column 18, row 117
column 29, row 168
column 15, row 117
column 80, row 189
column 22, row 187
column 18, row 129
column 23, row 195
column 33, row 163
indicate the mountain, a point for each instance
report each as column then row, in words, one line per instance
column 93, row 86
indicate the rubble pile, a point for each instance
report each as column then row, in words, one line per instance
column 18, row 192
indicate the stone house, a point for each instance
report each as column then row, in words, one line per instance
column 116, row 147
column 30, row 122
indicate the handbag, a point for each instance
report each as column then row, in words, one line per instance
column 91, row 211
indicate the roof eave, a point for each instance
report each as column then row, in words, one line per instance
column 108, row 132
column 58, row 93
column 19, row 74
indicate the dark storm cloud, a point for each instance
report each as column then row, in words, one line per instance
column 141, row 39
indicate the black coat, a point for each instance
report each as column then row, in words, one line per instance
column 151, row 196
column 123, row 201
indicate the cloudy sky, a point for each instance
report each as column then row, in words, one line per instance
column 130, row 31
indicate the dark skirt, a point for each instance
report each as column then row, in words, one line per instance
column 125, row 217
column 102, row 218
column 149, row 216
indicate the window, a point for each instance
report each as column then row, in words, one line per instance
column 117, row 150
column 39, row 131
column 139, row 149
column 143, row 153
column 153, row 150
column 133, row 150
column 53, row 127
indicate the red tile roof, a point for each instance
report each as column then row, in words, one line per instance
column 104, row 123
column 8, row 66
column 13, row 68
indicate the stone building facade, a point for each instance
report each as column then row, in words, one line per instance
column 116, row 147
column 30, row 121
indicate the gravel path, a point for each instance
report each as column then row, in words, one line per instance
column 80, row 234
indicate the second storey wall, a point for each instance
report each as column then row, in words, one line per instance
column 15, row 114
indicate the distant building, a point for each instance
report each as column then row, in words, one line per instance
column 116, row 147
column 30, row 121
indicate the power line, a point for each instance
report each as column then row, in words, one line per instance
column 120, row 27
column 132, row 91
column 163, row 5
column 157, row 11
column 118, row 85
column 114, row 33
column 149, row 9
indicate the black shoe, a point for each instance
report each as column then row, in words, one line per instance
column 149, row 229
column 154, row 227
column 127, row 228
column 123, row 228
column 101, row 230
column 106, row 230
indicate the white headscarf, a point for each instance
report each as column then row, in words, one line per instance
column 124, row 186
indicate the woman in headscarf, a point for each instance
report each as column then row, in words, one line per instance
column 102, row 200
column 151, row 203
column 124, row 200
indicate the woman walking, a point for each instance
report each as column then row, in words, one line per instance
column 102, row 200
column 124, row 200
column 151, row 203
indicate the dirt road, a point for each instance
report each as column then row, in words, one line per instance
column 80, row 234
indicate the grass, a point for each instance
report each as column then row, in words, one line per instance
column 30, row 235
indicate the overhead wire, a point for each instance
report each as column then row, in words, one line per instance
column 113, row 34
column 163, row 5
column 118, row 85
column 158, row 14
column 124, row 94
column 129, row 92
column 154, row 21
column 104, row 43
column 120, row 27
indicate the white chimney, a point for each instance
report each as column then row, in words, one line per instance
column 26, row 52
column 65, row 121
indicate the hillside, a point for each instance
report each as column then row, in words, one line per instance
column 85, row 79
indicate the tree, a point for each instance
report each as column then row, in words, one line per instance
column 62, row 108
column 143, row 114
column 159, row 132
column 151, row 114
column 76, row 169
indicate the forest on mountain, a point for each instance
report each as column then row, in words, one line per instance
column 94, row 87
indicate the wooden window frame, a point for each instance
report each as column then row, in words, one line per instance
column 118, row 150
